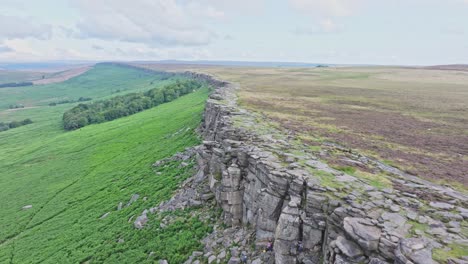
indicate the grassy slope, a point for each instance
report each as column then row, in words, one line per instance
column 73, row 178
column 101, row 82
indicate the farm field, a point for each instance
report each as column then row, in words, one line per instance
column 72, row 179
column 415, row 119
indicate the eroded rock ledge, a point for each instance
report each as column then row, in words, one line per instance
column 285, row 198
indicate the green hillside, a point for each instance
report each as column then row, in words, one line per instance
column 73, row 178
column 101, row 82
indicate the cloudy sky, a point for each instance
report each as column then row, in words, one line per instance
column 415, row 32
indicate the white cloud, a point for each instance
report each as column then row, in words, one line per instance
column 231, row 8
column 326, row 8
column 136, row 52
column 12, row 27
column 156, row 22
column 324, row 26
column 328, row 25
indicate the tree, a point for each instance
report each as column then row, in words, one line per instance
column 124, row 105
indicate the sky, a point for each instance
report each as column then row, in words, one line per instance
column 386, row 32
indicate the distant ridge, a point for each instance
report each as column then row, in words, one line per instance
column 237, row 63
column 450, row 67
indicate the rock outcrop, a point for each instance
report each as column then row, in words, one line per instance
column 309, row 211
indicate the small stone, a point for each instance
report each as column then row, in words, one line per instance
column 448, row 216
column 140, row 221
column 422, row 219
column 211, row 259
column 387, row 190
column 26, row 207
column 377, row 261
column 222, row 255
column 412, row 215
column 439, row 231
column 454, row 230
column 133, row 199
column 454, row 224
column 257, row 261
column 440, row 205
column 104, row 215
column 234, row 260
column 163, row 261
column 464, row 215
column 394, row 239
column 395, row 208
column 456, row 261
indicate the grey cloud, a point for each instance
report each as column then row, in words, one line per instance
column 12, row 27
column 97, row 47
column 327, row 8
column 326, row 27
column 5, row 49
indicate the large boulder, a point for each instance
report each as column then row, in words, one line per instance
column 348, row 248
column 363, row 231
column 414, row 250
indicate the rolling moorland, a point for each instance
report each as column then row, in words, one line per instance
column 72, row 182
column 411, row 118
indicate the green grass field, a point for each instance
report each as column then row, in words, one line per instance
column 73, row 178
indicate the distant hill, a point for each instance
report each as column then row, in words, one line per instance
column 42, row 66
column 451, row 67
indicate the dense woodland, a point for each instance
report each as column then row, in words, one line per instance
column 120, row 106
column 14, row 124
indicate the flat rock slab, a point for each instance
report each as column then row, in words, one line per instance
column 440, row 205
column 363, row 231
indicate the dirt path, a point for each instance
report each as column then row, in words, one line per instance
column 63, row 76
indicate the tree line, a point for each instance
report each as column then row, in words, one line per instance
column 18, row 84
column 16, row 106
column 67, row 101
column 14, row 124
column 124, row 105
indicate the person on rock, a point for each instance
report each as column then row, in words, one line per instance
column 243, row 258
column 300, row 247
column 269, row 247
